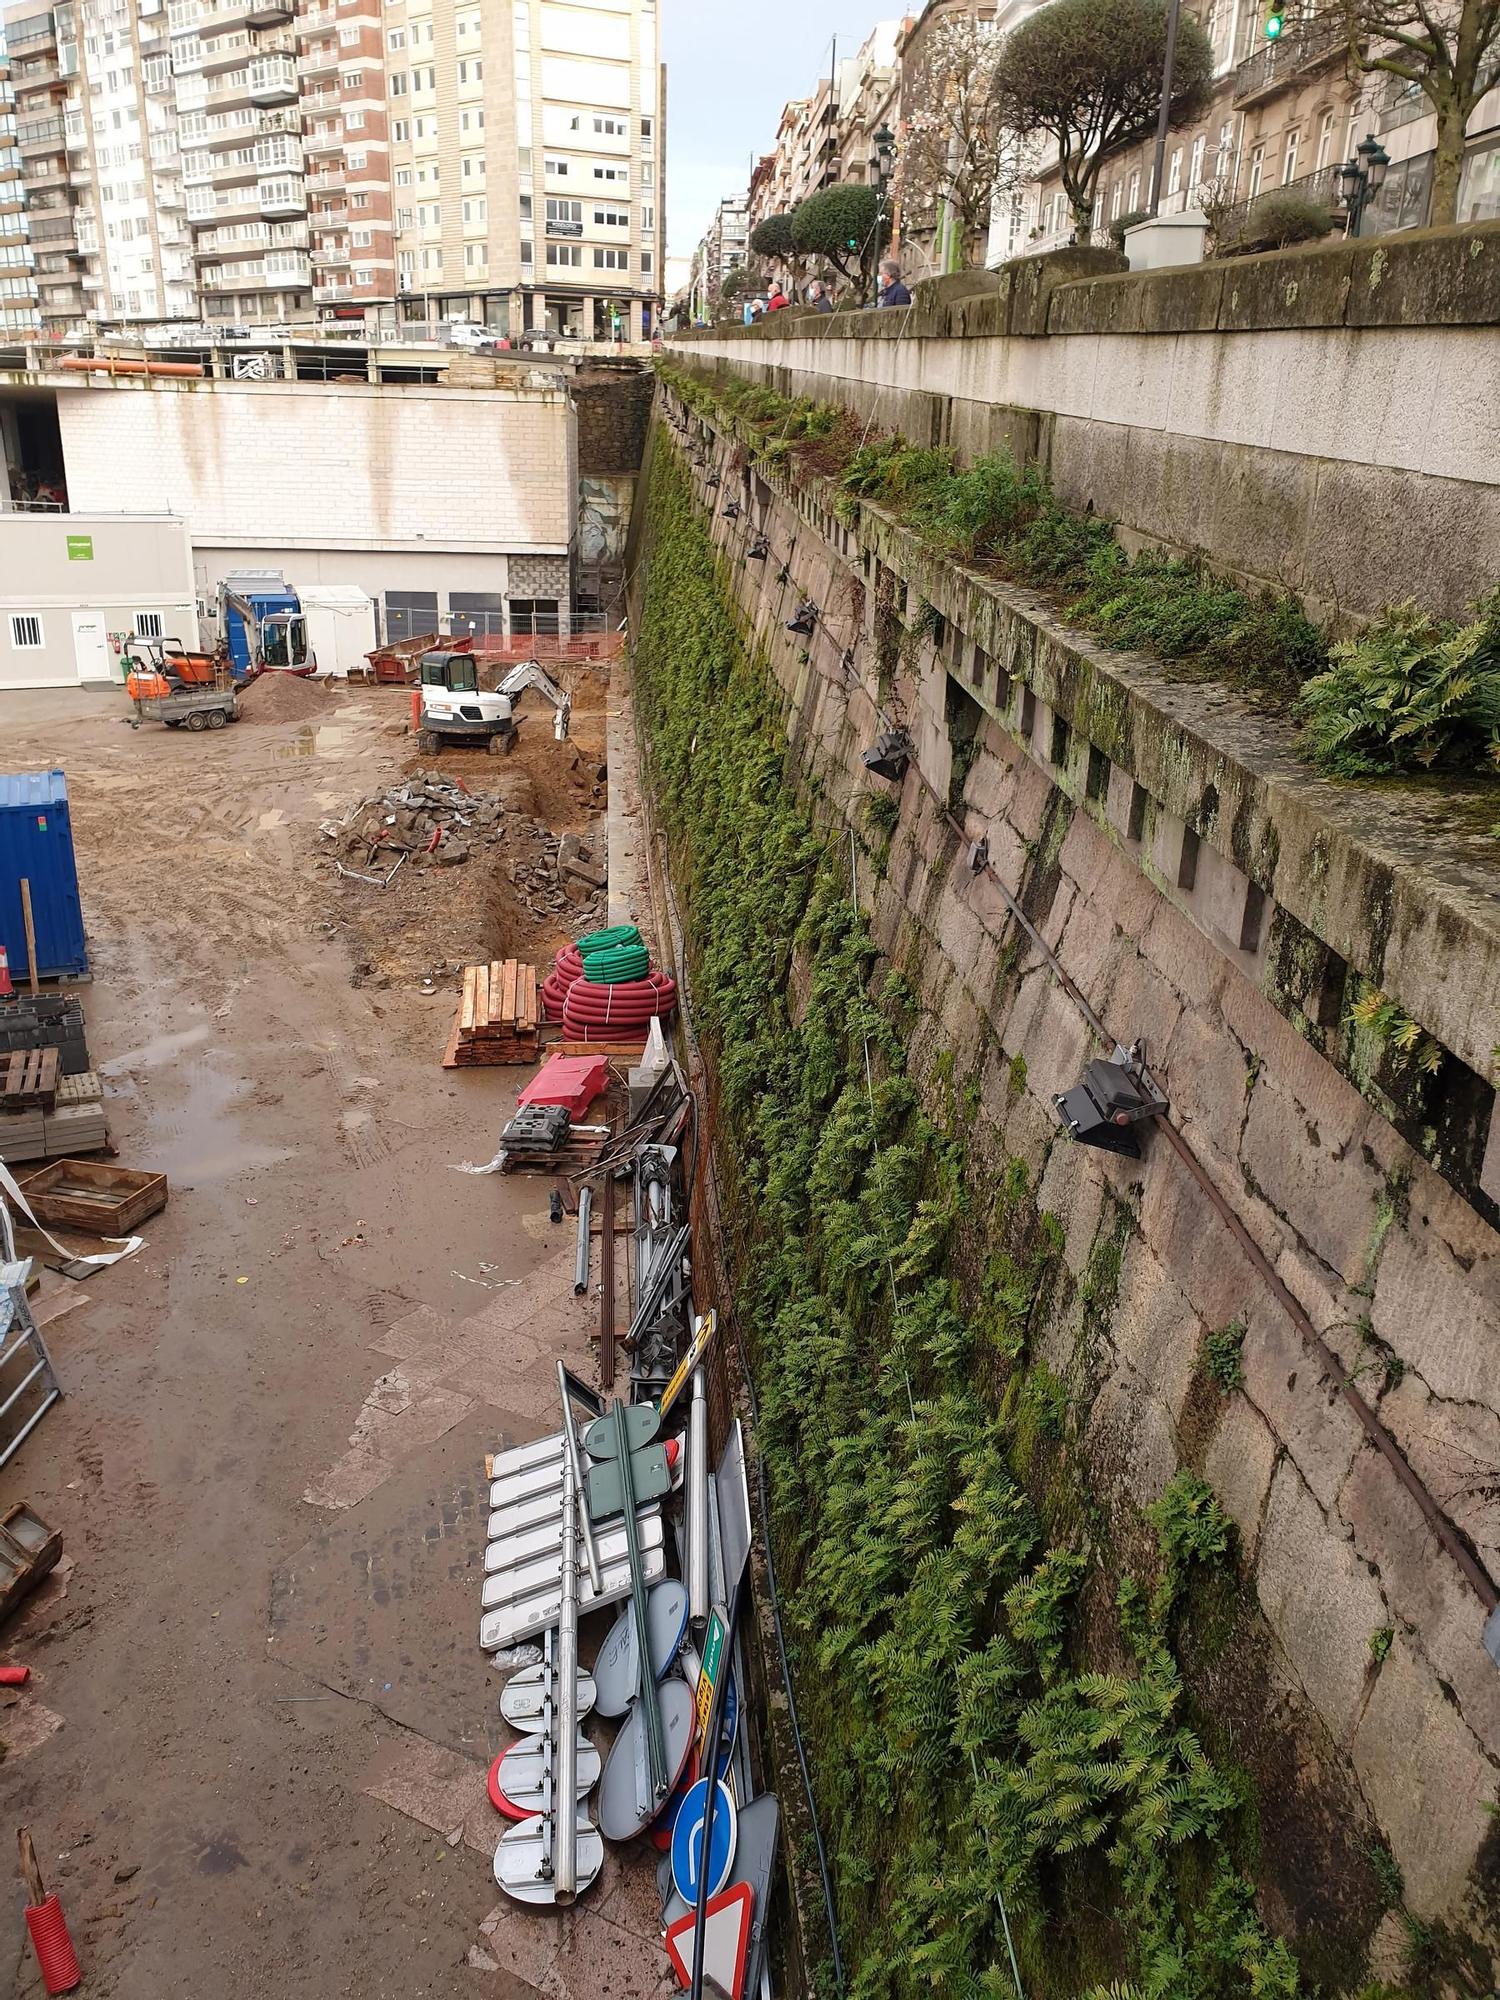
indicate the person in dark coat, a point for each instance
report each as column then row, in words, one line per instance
column 892, row 291
column 818, row 298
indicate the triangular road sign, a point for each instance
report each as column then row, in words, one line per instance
column 726, row 1941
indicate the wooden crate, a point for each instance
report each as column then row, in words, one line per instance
column 89, row 1194
column 499, row 1017
column 28, row 1079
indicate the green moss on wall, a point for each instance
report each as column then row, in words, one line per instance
column 970, row 1739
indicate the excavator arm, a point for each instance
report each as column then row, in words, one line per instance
column 531, row 675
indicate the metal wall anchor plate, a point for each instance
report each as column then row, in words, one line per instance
column 524, row 1777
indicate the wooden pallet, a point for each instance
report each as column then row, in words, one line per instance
column 499, row 1017
column 28, row 1080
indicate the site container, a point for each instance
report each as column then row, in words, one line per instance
column 36, row 845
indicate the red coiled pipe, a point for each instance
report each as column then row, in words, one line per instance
column 54, row 1948
column 628, row 1006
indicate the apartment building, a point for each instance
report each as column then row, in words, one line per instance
column 1285, row 113
column 346, row 125
column 527, row 163
column 18, row 302
column 829, row 136
column 720, row 250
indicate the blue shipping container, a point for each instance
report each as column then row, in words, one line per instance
column 36, row 844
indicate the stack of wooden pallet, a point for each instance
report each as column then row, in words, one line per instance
column 499, row 1017
column 56, row 1121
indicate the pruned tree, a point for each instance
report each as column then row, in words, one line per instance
column 1086, row 74
column 837, row 225
column 772, row 237
column 1451, row 50
column 952, row 151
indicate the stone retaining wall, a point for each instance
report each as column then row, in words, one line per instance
column 1326, row 420
column 1205, row 893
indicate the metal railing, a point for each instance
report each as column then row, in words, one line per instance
column 1274, row 65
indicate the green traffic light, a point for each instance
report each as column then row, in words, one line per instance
column 1275, row 21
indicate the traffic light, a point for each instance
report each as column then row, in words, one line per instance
column 1275, row 22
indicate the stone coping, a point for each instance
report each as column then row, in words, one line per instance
column 1417, row 277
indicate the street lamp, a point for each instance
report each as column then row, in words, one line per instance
column 882, row 163
column 1360, row 178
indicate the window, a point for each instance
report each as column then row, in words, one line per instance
column 477, row 210
column 564, row 211
column 557, row 167
column 361, row 238
column 397, row 83
column 1195, row 162
column 25, row 631
column 646, row 133
column 1289, row 158
column 354, row 79
column 648, row 219
column 354, row 121
column 611, row 260
column 400, row 130
column 403, row 177
column 473, row 121
column 359, row 201
column 148, row 625
column 648, row 174
column 1325, row 140
column 473, row 168
column 1174, row 172
column 396, row 39
column 476, row 256
column 525, row 205
column 348, row 37
column 645, row 263
column 471, row 70
column 528, row 251
column 364, row 277
column 561, row 254
column 614, row 128
column 621, row 174
column 1257, row 171
column 611, row 218
column 1114, row 201
column 403, row 218
column 424, row 78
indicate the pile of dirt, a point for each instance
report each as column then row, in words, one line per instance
column 280, row 697
column 431, row 820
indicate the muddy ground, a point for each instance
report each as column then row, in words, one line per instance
column 254, row 1744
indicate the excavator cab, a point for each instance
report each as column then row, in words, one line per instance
column 457, row 672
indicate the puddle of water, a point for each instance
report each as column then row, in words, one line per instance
column 157, row 1054
column 329, row 739
column 197, row 1138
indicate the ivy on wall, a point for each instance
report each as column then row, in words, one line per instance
column 973, row 1736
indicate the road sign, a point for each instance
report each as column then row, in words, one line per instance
column 703, row 1333
column 626, row 1804
column 616, row 1676
column 687, row 1842
column 726, row 1941
column 714, row 1657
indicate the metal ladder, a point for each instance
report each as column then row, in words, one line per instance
column 21, row 1346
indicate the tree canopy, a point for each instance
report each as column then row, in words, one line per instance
column 952, row 148
column 837, row 223
column 1087, row 74
column 773, row 237
column 1452, row 53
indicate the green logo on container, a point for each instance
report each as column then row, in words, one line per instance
column 80, row 548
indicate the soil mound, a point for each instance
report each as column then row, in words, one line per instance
column 280, row 697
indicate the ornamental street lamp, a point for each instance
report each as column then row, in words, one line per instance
column 882, row 163
column 1361, row 178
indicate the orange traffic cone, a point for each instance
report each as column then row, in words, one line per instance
column 6, row 989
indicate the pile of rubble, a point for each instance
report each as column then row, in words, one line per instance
column 568, row 876
column 427, row 820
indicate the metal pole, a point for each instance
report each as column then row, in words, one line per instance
column 697, row 1501
column 575, row 1466
column 581, row 1260
column 565, row 1802
column 1174, row 15
column 645, row 1676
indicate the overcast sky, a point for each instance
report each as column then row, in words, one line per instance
column 730, row 68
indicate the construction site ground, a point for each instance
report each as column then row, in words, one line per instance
column 254, row 1744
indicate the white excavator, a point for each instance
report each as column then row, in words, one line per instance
column 455, row 710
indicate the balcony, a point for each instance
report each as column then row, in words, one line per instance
column 273, row 80
column 269, row 13
column 281, row 199
column 328, row 180
column 278, row 156
column 324, row 254
column 57, row 233
column 1277, row 65
column 325, row 139
column 330, row 293
column 333, row 215
column 319, row 61
column 36, row 32
column 230, row 51
column 41, row 136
